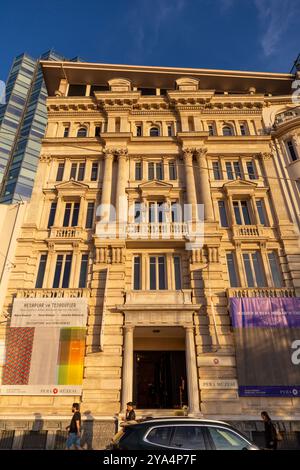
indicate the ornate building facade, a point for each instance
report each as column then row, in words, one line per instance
column 126, row 150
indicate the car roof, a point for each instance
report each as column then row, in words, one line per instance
column 185, row 419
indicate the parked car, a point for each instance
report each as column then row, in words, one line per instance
column 180, row 434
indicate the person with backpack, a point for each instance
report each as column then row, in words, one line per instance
column 270, row 431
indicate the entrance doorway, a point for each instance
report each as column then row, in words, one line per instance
column 160, row 379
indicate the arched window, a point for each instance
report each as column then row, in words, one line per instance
column 154, row 132
column 82, row 132
column 227, row 130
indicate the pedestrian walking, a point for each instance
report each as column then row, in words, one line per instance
column 270, row 431
column 74, row 429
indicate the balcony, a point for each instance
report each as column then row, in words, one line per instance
column 288, row 115
column 173, row 230
column 53, row 293
column 68, row 232
column 261, row 292
column 246, row 231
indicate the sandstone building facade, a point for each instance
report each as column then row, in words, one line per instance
column 147, row 141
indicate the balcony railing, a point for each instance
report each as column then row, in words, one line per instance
column 158, row 230
column 53, row 293
column 287, row 116
column 261, row 292
column 247, row 231
column 68, row 232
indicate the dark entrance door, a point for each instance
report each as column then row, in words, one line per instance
column 160, row 379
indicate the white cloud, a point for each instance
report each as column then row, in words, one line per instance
column 275, row 16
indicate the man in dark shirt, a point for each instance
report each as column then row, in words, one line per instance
column 74, row 428
column 130, row 413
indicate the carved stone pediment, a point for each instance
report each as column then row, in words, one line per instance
column 239, row 186
column 71, row 187
column 119, row 84
column 187, row 84
column 155, row 188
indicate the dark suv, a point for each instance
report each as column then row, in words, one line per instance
column 180, row 434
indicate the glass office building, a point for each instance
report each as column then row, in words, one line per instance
column 22, row 125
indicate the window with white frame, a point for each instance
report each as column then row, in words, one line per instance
column 254, row 271
column 157, row 273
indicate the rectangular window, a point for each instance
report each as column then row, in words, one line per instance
column 137, row 212
column 216, row 171
column 254, row 269
column 75, row 214
column 67, row 215
column 138, row 131
column 67, row 271
column 251, row 170
column 211, row 130
column 71, row 214
column 73, row 172
column 175, row 212
column 58, row 269
column 90, row 215
column 170, row 131
column 275, row 269
column 81, row 171
column 83, row 271
column 41, row 272
column 261, row 212
column 229, row 171
column 157, row 273
column 60, row 172
column 137, row 273
column 233, row 278
column 52, row 214
column 223, row 215
column 151, row 171
column 177, row 272
column 138, row 171
column 241, row 213
column 292, row 151
column 159, row 171
column 237, row 170
column 94, row 172
column 66, row 131
column 243, row 129
column 172, row 171
column 97, row 131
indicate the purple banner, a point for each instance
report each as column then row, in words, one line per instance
column 269, row 391
column 268, row 312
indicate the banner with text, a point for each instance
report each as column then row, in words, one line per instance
column 267, row 335
column 45, row 347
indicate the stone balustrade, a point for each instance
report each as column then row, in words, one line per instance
column 261, row 292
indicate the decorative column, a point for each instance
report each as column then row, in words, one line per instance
column 205, row 190
column 127, row 376
column 121, row 200
column 192, row 374
column 279, row 202
column 107, row 179
column 190, row 181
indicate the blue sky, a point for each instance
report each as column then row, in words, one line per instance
column 231, row 34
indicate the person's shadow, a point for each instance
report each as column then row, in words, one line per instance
column 87, row 431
